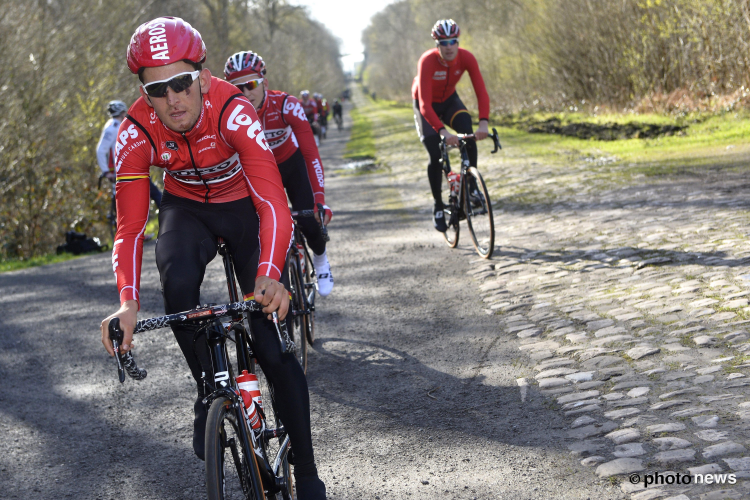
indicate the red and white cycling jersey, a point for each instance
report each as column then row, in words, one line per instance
column 311, row 108
column 223, row 158
column 287, row 129
column 436, row 81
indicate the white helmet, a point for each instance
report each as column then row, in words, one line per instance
column 116, row 108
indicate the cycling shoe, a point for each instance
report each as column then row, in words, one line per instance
column 438, row 220
column 310, row 488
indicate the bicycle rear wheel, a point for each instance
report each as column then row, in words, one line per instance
column 295, row 320
column 478, row 209
column 231, row 472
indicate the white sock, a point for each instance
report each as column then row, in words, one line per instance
column 320, row 261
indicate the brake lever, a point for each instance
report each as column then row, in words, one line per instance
column 125, row 362
column 496, row 140
column 323, row 228
column 116, row 335
column 287, row 344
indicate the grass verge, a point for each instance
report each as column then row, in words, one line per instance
column 16, row 264
column 543, row 168
column 361, row 145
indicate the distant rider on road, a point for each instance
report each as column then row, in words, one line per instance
column 436, row 102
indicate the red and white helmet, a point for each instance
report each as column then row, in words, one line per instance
column 445, row 29
column 163, row 41
column 243, row 64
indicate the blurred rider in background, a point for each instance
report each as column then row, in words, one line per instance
column 105, row 150
column 323, row 112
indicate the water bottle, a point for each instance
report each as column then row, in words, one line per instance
column 250, row 392
column 454, row 179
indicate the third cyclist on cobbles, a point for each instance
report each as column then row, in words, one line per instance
column 222, row 181
column 436, row 102
column 291, row 139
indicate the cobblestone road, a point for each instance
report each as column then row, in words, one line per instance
column 630, row 306
column 626, row 295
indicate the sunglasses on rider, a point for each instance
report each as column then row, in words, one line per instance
column 178, row 83
column 250, row 85
column 445, row 43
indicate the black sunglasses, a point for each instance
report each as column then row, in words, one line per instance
column 178, row 83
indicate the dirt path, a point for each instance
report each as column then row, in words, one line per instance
column 413, row 386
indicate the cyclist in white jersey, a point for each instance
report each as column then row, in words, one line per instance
column 105, row 150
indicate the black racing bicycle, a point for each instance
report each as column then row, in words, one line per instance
column 303, row 287
column 468, row 198
column 241, row 462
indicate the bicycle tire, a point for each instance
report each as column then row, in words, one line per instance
column 310, row 292
column 230, row 474
column 295, row 321
column 450, row 212
column 479, row 215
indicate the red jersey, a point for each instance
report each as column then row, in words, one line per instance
column 223, row 158
column 310, row 107
column 436, row 81
column 286, row 128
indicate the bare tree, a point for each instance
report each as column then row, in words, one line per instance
column 57, row 79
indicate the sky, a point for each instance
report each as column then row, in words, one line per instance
column 346, row 19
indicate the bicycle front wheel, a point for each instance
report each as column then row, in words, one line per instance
column 478, row 209
column 295, row 320
column 231, row 471
column 308, row 278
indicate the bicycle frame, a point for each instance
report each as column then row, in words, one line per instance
column 459, row 206
column 465, row 165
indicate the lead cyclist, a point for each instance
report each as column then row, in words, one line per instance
column 222, row 181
